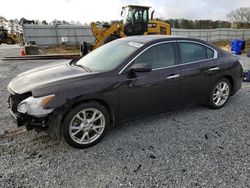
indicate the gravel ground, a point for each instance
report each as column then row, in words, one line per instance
column 190, row 147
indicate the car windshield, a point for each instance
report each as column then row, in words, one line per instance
column 108, row 56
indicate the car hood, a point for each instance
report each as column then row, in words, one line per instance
column 45, row 75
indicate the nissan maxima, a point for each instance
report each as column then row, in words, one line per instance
column 126, row 78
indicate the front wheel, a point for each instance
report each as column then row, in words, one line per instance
column 220, row 93
column 85, row 125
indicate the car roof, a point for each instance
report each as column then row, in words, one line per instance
column 149, row 39
column 144, row 39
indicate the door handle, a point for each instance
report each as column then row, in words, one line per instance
column 214, row 69
column 173, row 76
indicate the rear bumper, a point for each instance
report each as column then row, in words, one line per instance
column 237, row 80
column 237, row 86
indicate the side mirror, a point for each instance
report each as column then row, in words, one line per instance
column 141, row 67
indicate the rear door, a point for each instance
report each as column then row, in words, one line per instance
column 198, row 69
column 153, row 91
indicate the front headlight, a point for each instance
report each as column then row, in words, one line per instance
column 35, row 106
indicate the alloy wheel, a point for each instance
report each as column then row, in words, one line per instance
column 87, row 126
column 221, row 93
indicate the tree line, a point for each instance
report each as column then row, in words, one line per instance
column 238, row 18
column 197, row 24
column 205, row 24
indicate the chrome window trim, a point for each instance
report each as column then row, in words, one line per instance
column 160, row 68
column 177, row 65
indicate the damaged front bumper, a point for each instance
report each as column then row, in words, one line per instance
column 30, row 122
column 23, row 119
column 50, row 118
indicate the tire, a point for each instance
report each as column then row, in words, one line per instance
column 220, row 93
column 110, row 38
column 79, row 131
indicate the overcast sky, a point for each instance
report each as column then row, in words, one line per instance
column 86, row 11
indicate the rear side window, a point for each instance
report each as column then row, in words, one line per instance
column 191, row 52
column 161, row 55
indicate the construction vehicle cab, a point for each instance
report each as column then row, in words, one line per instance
column 135, row 19
column 135, row 22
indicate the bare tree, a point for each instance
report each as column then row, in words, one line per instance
column 241, row 15
column 44, row 22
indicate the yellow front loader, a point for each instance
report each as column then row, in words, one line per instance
column 106, row 34
column 135, row 22
column 8, row 38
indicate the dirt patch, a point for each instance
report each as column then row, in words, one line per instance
column 69, row 49
column 226, row 45
column 64, row 49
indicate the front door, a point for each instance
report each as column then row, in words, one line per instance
column 154, row 91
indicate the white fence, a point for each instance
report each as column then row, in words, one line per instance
column 213, row 35
column 53, row 35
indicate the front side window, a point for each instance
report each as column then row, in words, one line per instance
column 161, row 55
column 191, row 52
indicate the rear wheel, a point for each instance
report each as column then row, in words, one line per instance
column 220, row 93
column 85, row 125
